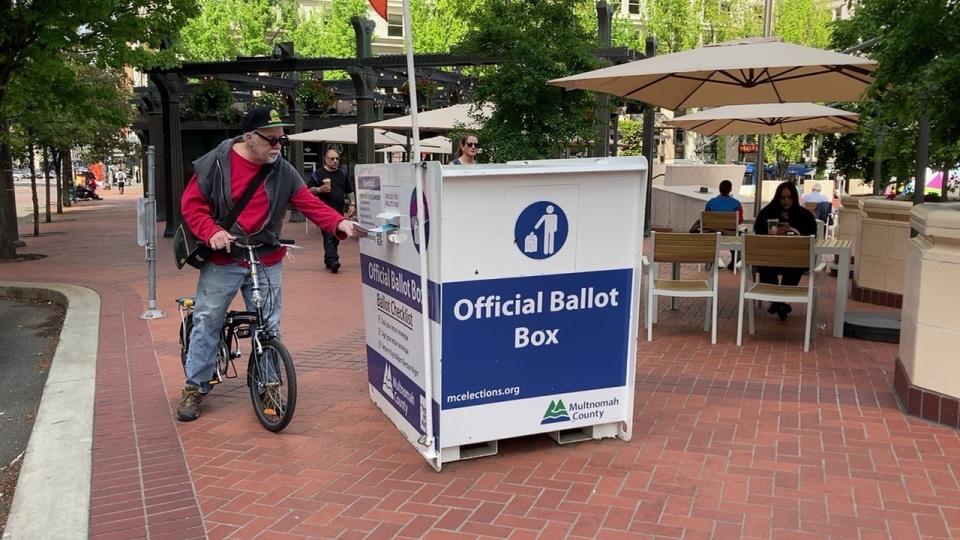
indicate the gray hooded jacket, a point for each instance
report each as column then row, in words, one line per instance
column 213, row 175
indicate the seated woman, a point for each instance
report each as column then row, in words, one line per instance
column 793, row 219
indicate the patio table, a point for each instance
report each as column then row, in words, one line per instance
column 826, row 246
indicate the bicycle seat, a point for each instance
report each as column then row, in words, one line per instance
column 187, row 301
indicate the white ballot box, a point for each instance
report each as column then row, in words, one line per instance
column 533, row 285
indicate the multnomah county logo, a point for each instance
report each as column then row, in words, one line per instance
column 541, row 230
column 387, row 381
column 556, row 412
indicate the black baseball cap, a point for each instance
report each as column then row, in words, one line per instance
column 262, row 117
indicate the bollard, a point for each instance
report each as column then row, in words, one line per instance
column 148, row 228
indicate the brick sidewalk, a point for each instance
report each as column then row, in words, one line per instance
column 755, row 441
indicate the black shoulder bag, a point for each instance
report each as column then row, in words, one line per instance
column 186, row 248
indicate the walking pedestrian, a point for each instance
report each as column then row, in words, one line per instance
column 330, row 184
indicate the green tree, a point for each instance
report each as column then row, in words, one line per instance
column 438, row 25
column 806, row 22
column 725, row 20
column 531, row 119
column 675, row 23
column 327, row 31
column 918, row 55
column 226, row 29
column 631, row 137
column 35, row 36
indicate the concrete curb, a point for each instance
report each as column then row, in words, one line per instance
column 54, row 484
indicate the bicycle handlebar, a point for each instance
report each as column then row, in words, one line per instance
column 282, row 241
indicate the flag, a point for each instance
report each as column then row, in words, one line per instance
column 380, row 6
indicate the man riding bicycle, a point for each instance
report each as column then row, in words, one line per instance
column 220, row 178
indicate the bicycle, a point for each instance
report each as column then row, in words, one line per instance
column 271, row 377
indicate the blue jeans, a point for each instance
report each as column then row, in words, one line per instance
column 216, row 289
column 330, row 244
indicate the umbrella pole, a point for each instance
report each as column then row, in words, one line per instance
column 758, row 171
column 648, row 142
column 758, row 178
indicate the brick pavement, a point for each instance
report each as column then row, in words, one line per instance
column 755, row 441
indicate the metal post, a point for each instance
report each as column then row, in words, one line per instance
column 601, row 146
column 758, row 171
column 150, row 222
column 878, row 164
column 923, row 148
column 648, row 142
column 427, row 440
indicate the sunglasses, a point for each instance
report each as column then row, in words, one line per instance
column 472, row 144
column 273, row 141
column 333, row 158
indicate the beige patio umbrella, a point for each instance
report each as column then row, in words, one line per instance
column 768, row 118
column 442, row 143
column 445, row 119
column 346, row 134
column 752, row 70
column 424, row 148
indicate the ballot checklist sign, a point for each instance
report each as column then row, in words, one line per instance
column 541, row 230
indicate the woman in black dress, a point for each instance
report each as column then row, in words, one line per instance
column 794, row 219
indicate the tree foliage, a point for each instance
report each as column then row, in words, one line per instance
column 50, row 40
column 918, row 55
column 631, row 137
column 226, row 29
column 327, row 31
column 438, row 25
column 675, row 23
column 531, row 119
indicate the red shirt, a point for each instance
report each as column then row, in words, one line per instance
column 198, row 216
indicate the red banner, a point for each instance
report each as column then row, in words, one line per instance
column 380, row 6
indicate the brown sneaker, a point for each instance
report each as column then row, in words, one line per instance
column 190, row 401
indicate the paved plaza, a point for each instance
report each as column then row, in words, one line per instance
column 759, row 441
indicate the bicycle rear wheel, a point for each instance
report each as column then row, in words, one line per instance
column 273, row 385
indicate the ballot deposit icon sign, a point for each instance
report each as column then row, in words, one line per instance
column 541, row 230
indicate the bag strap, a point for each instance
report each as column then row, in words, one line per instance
column 231, row 218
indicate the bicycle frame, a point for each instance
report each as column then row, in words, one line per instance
column 256, row 329
column 241, row 324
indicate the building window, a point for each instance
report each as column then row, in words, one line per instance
column 633, row 7
column 838, row 13
column 395, row 25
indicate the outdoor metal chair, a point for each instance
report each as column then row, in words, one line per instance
column 683, row 248
column 778, row 252
column 725, row 223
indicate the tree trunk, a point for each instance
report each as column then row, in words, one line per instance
column 8, row 202
column 945, row 181
column 33, row 193
column 56, row 167
column 46, row 181
column 67, row 178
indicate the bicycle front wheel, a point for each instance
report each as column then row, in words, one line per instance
column 186, row 327
column 273, row 385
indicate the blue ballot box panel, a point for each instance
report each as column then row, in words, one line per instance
column 518, row 338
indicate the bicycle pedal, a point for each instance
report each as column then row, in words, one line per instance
column 269, row 412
